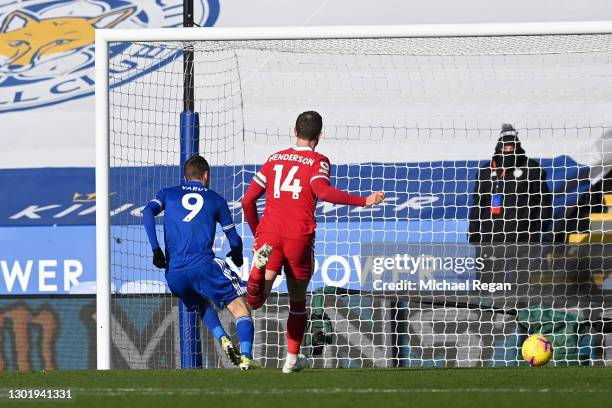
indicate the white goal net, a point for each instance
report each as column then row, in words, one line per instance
column 441, row 274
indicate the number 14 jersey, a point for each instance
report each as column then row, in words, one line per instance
column 290, row 201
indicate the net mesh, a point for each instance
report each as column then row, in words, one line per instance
column 418, row 118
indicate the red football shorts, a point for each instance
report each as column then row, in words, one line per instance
column 295, row 256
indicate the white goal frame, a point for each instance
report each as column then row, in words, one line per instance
column 103, row 37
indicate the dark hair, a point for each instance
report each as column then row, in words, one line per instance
column 309, row 125
column 195, row 167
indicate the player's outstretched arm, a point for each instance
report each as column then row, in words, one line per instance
column 152, row 209
column 249, row 205
column 323, row 189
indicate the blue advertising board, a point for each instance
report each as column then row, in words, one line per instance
column 425, row 191
column 47, row 238
column 47, row 260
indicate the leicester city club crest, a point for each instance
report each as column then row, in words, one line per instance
column 47, row 47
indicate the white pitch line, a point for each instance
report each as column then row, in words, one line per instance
column 279, row 391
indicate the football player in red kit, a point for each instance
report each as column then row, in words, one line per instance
column 294, row 179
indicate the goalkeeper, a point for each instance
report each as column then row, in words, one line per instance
column 194, row 274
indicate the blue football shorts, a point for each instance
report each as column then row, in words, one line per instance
column 213, row 281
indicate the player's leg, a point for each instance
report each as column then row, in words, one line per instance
column 271, row 276
column 223, row 287
column 211, row 319
column 298, row 271
column 267, row 256
column 255, row 285
column 182, row 285
column 245, row 331
column 296, row 324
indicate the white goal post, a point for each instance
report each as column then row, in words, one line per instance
column 113, row 115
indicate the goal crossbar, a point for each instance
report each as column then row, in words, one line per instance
column 366, row 31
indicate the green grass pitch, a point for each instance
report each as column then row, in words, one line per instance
column 373, row 388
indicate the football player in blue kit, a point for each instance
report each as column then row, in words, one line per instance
column 194, row 274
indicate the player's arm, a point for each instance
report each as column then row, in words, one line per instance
column 249, row 201
column 153, row 208
column 235, row 242
column 321, row 186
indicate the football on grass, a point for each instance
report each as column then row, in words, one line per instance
column 537, row 350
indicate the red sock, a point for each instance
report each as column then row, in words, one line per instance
column 256, row 287
column 296, row 325
column 257, row 275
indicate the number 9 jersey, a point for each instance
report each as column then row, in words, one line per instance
column 191, row 214
column 290, row 200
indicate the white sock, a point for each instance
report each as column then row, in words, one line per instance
column 291, row 359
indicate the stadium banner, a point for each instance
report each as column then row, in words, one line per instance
column 59, row 333
column 57, row 67
column 46, row 333
column 38, row 258
column 417, row 191
column 64, row 263
column 61, row 260
column 47, row 260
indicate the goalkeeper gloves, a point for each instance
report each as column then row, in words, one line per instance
column 236, row 257
column 159, row 259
